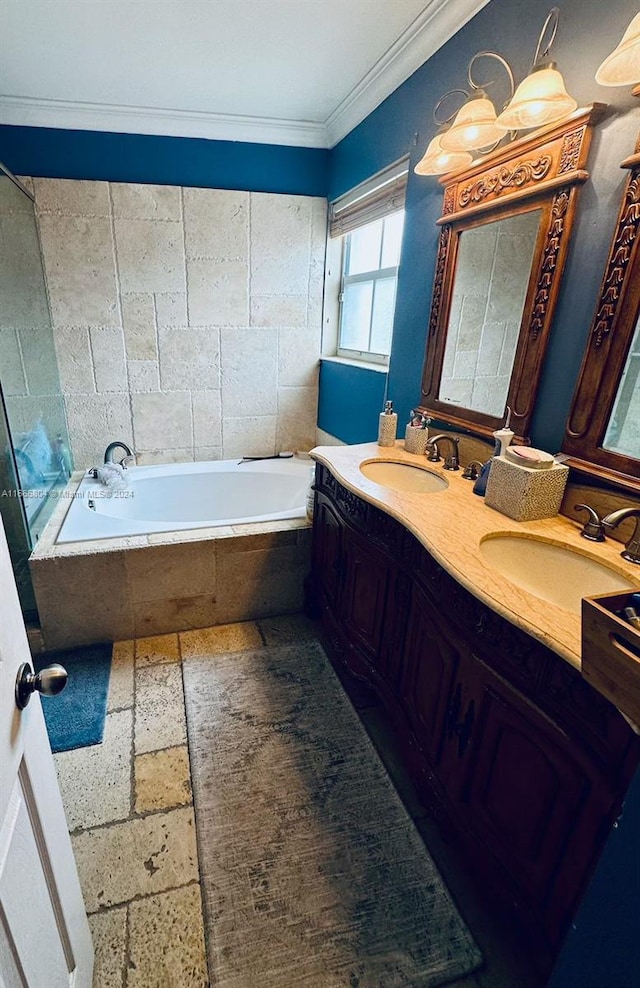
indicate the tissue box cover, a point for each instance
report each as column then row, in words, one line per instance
column 523, row 493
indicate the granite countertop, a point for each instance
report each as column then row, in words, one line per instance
column 452, row 523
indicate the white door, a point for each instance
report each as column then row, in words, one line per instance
column 44, row 934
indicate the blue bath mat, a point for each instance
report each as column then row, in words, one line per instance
column 75, row 718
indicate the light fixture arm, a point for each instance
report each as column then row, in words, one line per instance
column 503, row 62
column 552, row 20
column 443, row 123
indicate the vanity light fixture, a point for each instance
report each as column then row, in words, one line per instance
column 622, row 66
column 474, row 126
column 541, row 98
column 437, row 160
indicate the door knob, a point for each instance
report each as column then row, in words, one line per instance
column 49, row 682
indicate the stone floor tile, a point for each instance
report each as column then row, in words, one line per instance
column 109, row 934
column 162, row 780
column 157, row 649
column 136, row 858
column 95, row 782
column 160, row 720
column 121, row 678
column 222, row 638
column 288, row 629
column 166, row 941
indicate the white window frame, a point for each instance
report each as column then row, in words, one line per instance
column 380, row 196
column 375, row 275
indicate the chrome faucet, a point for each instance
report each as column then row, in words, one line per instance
column 631, row 551
column 129, row 455
column 452, row 462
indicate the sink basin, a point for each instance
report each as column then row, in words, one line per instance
column 559, row 574
column 403, row 477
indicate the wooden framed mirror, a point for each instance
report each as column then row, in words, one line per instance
column 505, row 230
column 602, row 436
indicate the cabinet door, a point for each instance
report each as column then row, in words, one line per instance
column 327, row 550
column 430, row 664
column 528, row 794
column 367, row 578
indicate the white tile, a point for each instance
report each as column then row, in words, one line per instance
column 94, row 422
column 298, row 357
column 95, row 781
column 171, row 308
column 70, row 197
column 145, row 202
column 107, row 348
column 280, row 243
column 80, row 267
column 297, row 418
column 75, row 363
column 160, row 720
column 145, row 856
column 189, row 358
column 150, row 255
column 144, row 375
column 218, row 292
column 207, row 419
column 250, row 435
column 216, row 223
column 278, row 310
column 249, row 371
column 162, row 421
column 138, row 318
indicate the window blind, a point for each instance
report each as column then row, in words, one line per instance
column 380, row 195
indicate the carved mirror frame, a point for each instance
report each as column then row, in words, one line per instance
column 545, row 171
column 612, row 331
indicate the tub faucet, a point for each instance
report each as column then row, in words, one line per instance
column 452, row 462
column 128, row 460
column 631, row 551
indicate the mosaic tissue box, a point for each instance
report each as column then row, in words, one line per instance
column 525, row 493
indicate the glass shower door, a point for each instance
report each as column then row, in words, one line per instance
column 36, row 448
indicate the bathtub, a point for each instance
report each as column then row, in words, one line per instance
column 182, row 496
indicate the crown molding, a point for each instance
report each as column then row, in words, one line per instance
column 72, row 115
column 430, row 30
column 438, row 22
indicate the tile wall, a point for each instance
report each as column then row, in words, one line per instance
column 186, row 321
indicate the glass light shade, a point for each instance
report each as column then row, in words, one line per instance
column 539, row 99
column 622, row 66
column 473, row 127
column 437, row 161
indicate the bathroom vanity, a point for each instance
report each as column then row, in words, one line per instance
column 513, row 752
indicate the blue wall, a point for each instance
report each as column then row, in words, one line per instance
column 83, row 154
column 344, row 391
column 403, row 124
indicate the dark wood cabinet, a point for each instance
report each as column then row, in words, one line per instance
column 512, row 750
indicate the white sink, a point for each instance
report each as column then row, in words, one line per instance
column 403, row 477
column 557, row 573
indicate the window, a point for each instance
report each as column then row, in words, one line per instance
column 369, row 221
column 368, row 291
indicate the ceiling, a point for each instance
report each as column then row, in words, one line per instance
column 298, row 72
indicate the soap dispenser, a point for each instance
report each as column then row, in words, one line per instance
column 388, row 425
column 502, row 437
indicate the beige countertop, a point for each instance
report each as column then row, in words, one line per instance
column 452, row 523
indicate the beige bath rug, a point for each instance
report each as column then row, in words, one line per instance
column 313, row 873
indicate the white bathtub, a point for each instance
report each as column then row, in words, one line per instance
column 181, row 496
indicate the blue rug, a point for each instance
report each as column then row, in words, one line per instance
column 75, row 718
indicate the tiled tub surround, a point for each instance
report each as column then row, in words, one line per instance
column 143, row 585
column 186, row 321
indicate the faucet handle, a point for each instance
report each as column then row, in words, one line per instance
column 434, row 454
column 593, row 527
column 472, row 469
